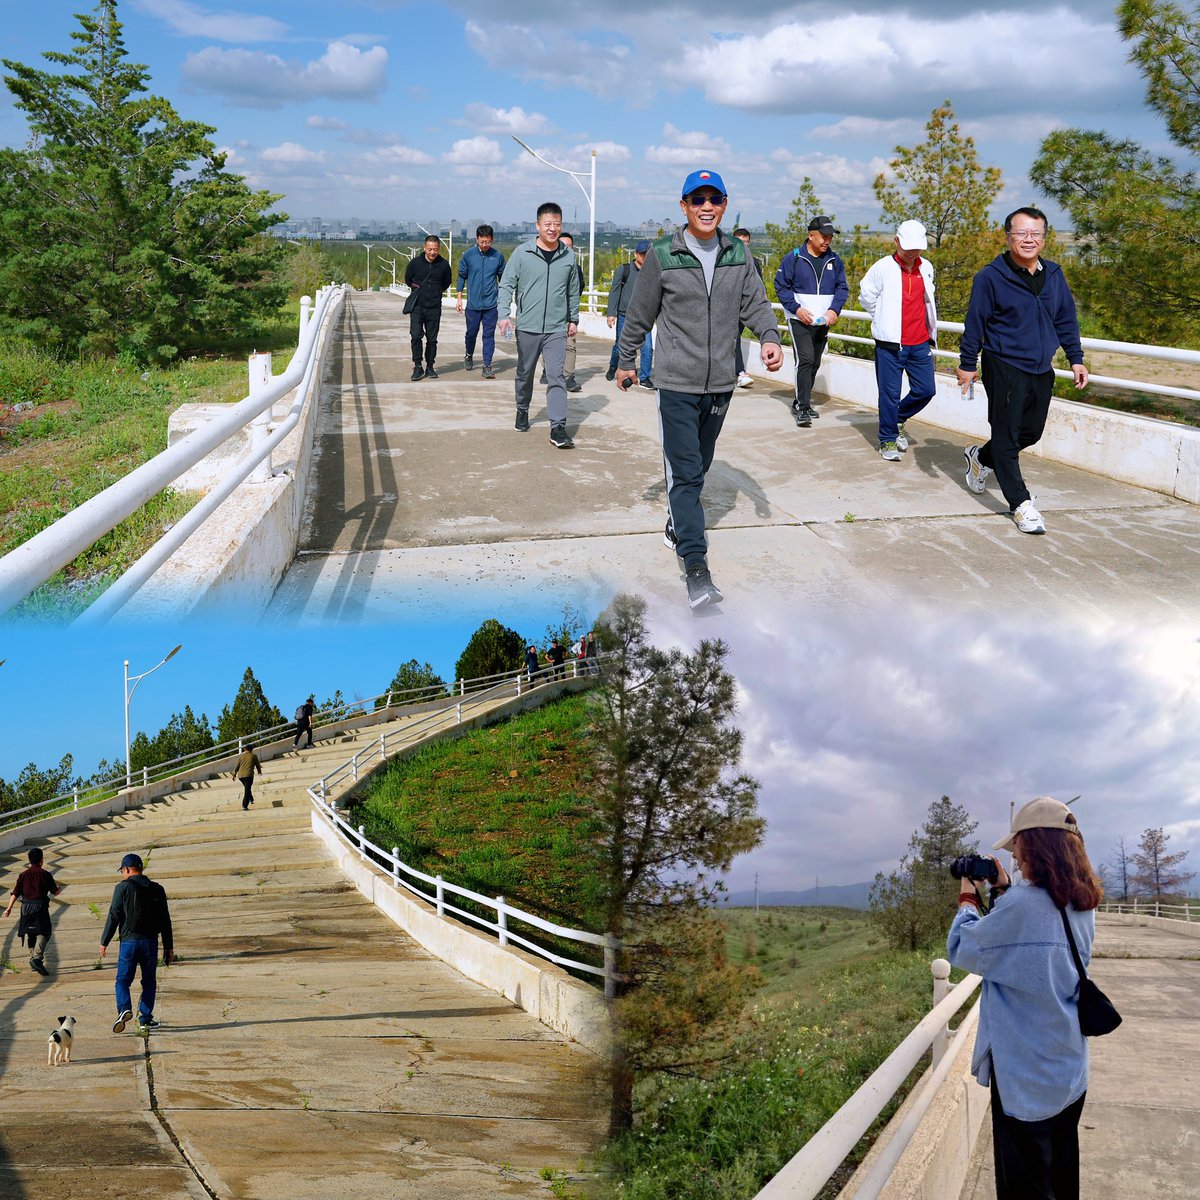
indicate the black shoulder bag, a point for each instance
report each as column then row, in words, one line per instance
column 1097, row 1014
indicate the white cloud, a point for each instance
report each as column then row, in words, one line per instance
column 256, row 79
column 826, row 169
column 476, row 151
column 335, row 123
column 404, row 154
column 190, row 20
column 607, row 152
column 683, row 147
column 867, row 129
column 484, row 119
column 292, row 152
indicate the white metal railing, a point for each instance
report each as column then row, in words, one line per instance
column 27, row 567
column 1149, row 906
column 807, row 1172
column 372, row 710
column 327, row 790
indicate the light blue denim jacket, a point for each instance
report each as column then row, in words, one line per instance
column 1029, row 1014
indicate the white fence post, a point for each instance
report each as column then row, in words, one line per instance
column 362, row 842
column 241, row 745
column 305, row 312
column 75, row 794
column 941, row 989
column 610, row 966
column 441, row 897
column 354, row 766
column 501, row 921
column 383, row 745
column 396, row 865
column 458, row 712
column 260, row 380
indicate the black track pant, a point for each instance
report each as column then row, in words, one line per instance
column 1036, row 1160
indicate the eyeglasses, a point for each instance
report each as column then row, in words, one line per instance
column 699, row 200
column 1027, row 235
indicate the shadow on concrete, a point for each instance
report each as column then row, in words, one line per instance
column 338, row 1018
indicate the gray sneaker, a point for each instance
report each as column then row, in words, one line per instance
column 469, row 362
column 123, row 1020
column 890, row 452
column 977, row 473
column 701, row 589
column 901, row 438
column 488, row 372
column 522, row 422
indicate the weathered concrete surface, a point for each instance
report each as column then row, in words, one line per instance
column 426, row 498
column 309, row 1048
column 1140, row 1132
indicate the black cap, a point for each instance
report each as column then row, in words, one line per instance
column 821, row 225
column 131, row 860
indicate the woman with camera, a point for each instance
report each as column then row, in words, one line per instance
column 1029, row 1047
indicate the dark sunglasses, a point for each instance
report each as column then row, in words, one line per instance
column 698, row 200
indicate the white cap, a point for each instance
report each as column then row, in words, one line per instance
column 912, row 236
column 1042, row 813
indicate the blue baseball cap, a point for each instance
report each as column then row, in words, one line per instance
column 643, row 247
column 699, row 179
column 131, row 860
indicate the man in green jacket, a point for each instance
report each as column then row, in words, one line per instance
column 700, row 286
column 542, row 276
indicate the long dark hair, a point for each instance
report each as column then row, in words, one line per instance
column 1055, row 859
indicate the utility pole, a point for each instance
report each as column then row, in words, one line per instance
column 756, row 893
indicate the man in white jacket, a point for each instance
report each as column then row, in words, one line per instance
column 898, row 293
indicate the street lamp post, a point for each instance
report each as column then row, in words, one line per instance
column 590, row 196
column 129, row 696
column 368, row 245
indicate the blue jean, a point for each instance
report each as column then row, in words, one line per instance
column 891, row 363
column 646, row 365
column 487, row 318
column 137, row 952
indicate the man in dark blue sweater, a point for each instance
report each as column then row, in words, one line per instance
column 1021, row 312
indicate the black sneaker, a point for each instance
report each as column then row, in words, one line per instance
column 701, row 589
column 37, row 965
column 488, row 373
column 610, row 374
column 573, row 385
column 146, row 1024
column 418, row 373
column 430, row 373
column 543, row 378
column 645, row 383
column 560, row 437
column 522, row 425
column 803, row 417
column 469, row 362
column 812, row 412
column 123, row 1020
column 669, row 538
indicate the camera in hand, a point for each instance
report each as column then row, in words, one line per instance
column 975, row 866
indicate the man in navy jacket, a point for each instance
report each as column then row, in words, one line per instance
column 1021, row 312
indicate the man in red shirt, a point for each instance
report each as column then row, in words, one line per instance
column 898, row 293
column 34, row 887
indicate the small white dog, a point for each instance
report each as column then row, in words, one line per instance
column 60, row 1042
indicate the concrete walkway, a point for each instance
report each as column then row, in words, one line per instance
column 426, row 498
column 1139, row 1138
column 309, row 1049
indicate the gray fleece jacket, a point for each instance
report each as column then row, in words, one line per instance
column 547, row 293
column 697, row 330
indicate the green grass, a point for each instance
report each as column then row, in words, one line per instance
column 833, row 1006
column 92, row 422
column 502, row 811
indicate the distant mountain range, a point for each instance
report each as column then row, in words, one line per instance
column 843, row 895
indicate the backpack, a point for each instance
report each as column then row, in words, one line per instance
column 302, row 713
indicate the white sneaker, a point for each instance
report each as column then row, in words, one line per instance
column 977, row 473
column 902, row 438
column 890, row 452
column 745, row 379
column 1027, row 517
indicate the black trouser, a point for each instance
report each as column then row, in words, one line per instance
column 1036, row 1160
column 1018, row 404
column 808, row 344
column 301, row 730
column 247, row 791
column 425, row 323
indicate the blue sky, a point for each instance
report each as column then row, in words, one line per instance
column 390, row 109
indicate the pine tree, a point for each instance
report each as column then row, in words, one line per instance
column 410, row 677
column 1155, row 872
column 794, row 231
column 120, row 229
column 493, row 649
column 250, row 712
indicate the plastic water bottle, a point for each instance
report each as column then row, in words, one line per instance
column 969, row 392
column 507, row 335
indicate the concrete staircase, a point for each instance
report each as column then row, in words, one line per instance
column 308, row 1047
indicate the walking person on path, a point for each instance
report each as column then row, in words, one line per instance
column 34, row 887
column 1021, row 312
column 140, row 914
column 428, row 275
column 479, row 272
column 304, row 719
column 624, row 279
column 701, row 287
column 247, row 764
column 542, row 277
column 569, row 380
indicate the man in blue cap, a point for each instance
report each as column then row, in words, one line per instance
column 139, row 912
column 700, row 286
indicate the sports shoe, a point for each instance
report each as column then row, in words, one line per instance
column 889, row 451
column 146, row 1024
column 488, row 372
column 645, row 383
column 745, row 379
column 803, row 416
column 37, row 965
column 418, row 373
column 522, row 424
column 430, row 373
column 669, row 538
column 573, row 385
column 123, row 1020
column 560, row 437
column 610, row 374
column 542, row 379
column 902, row 438
column 1027, row 517
column 701, row 589
column 469, row 362
column 977, row 473
column 812, row 412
